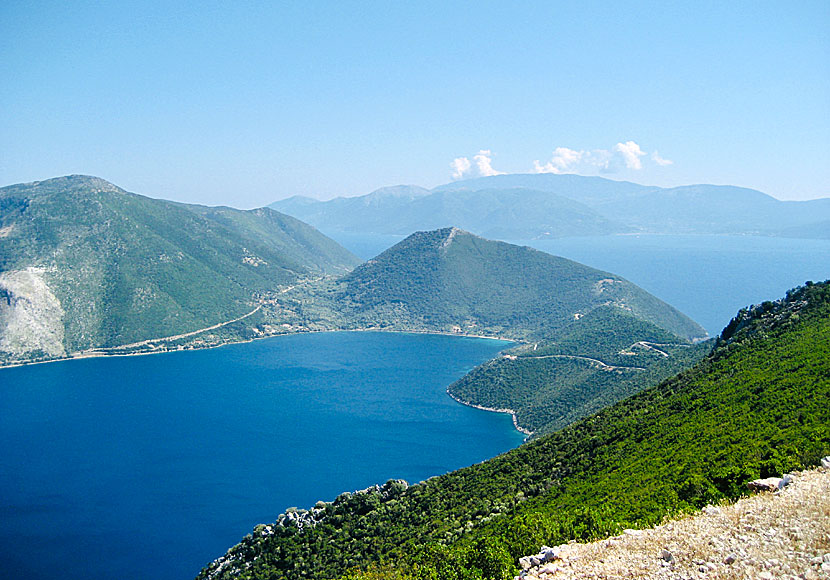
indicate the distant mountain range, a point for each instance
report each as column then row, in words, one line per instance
column 536, row 206
column 85, row 264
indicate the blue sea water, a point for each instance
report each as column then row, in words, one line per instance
column 707, row 277
column 151, row 466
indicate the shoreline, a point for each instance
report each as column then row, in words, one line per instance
column 518, row 428
column 94, row 353
column 89, row 354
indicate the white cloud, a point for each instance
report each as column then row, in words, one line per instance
column 587, row 161
column 659, row 160
column 460, row 166
column 631, row 153
column 563, row 161
column 626, row 155
column 484, row 162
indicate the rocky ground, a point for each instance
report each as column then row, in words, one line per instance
column 772, row 535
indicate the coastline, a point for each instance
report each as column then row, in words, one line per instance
column 519, row 428
column 101, row 353
column 92, row 353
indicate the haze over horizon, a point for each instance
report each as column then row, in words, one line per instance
column 246, row 105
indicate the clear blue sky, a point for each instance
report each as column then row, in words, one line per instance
column 242, row 103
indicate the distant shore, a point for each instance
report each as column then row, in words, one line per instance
column 102, row 352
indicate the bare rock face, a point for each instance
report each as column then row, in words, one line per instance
column 31, row 316
column 767, row 536
column 768, row 484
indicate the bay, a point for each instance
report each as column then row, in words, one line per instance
column 151, row 466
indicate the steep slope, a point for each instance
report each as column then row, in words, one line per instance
column 449, row 280
column 756, row 406
column 84, row 264
column 547, row 205
column 583, row 367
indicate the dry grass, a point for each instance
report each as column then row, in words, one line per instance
column 785, row 535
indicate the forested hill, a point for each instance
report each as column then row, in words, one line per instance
column 450, row 279
column 756, row 406
column 85, row 264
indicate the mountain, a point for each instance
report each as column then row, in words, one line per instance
column 452, row 280
column 85, row 264
column 530, row 206
column 587, row 338
column 499, row 213
column 756, row 406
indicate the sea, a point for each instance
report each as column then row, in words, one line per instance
column 151, row 466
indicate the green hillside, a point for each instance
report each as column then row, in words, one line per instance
column 85, row 264
column 755, row 406
column 585, row 366
column 592, row 334
column 451, row 280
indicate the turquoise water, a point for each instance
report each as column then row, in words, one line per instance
column 151, row 466
column 707, row 277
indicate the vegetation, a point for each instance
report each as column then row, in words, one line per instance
column 113, row 272
column 589, row 364
column 452, row 280
column 755, row 406
column 125, row 268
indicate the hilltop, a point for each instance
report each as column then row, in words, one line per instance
column 533, row 206
column 87, row 265
column 754, row 407
column 452, row 280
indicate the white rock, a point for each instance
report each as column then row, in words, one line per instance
column 768, row 484
column 825, row 462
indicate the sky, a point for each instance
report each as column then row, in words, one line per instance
column 243, row 103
